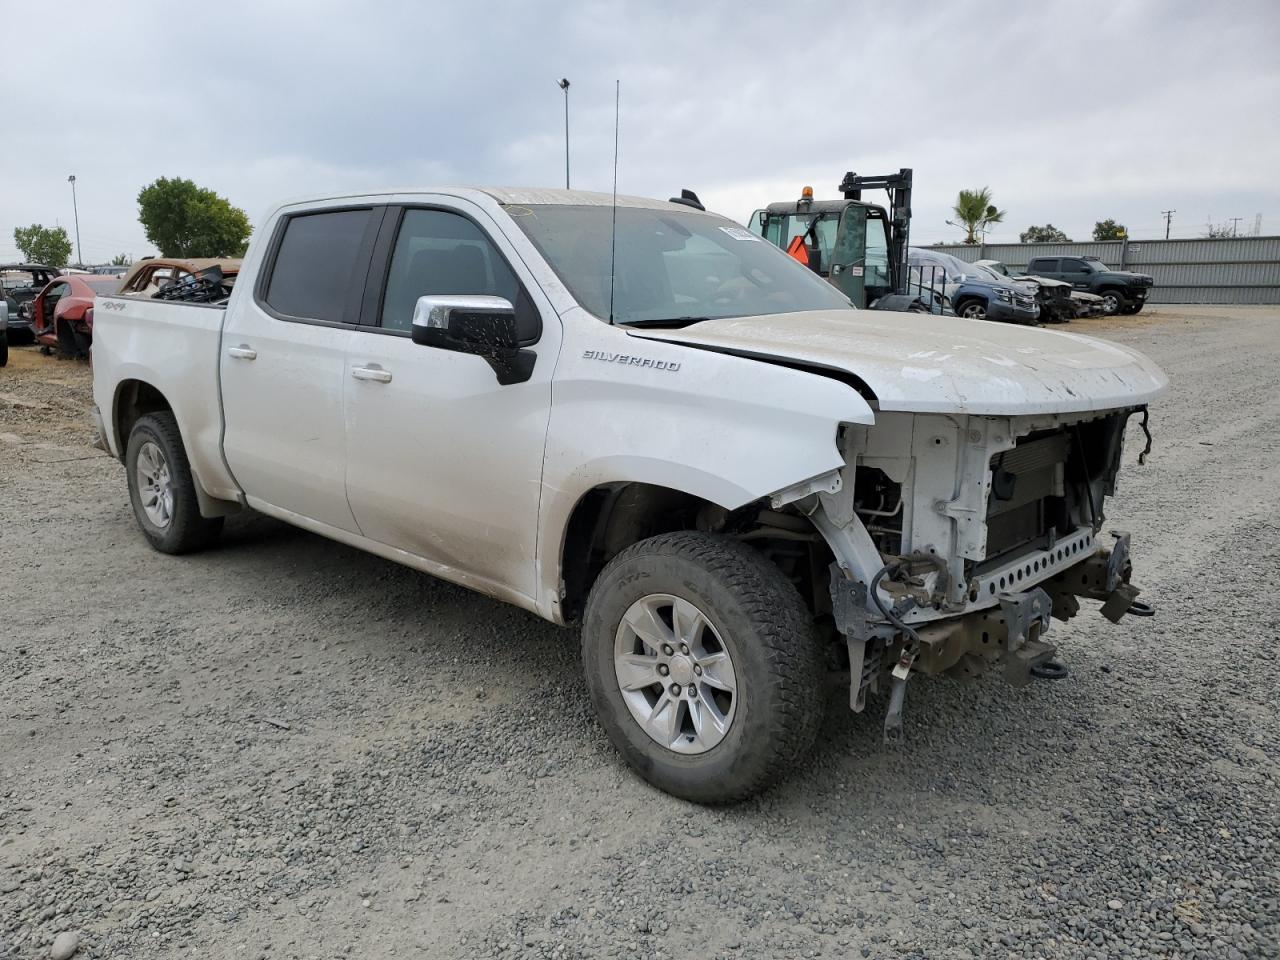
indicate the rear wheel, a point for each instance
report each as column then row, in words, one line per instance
column 1113, row 302
column 4, row 347
column 162, row 489
column 972, row 310
column 703, row 666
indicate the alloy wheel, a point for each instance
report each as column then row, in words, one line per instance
column 675, row 673
column 155, row 484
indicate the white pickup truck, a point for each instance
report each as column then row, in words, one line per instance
column 645, row 418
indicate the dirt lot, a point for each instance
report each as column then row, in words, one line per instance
column 285, row 748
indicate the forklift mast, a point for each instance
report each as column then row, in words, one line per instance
column 898, row 186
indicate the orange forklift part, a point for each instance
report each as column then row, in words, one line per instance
column 797, row 251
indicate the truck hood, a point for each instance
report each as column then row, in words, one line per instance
column 927, row 364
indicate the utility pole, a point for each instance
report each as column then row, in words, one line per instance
column 564, row 85
column 1168, row 218
column 79, row 256
column 1235, row 222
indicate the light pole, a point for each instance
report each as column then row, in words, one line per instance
column 79, row 256
column 564, row 85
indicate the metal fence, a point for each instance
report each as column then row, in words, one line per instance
column 1233, row 270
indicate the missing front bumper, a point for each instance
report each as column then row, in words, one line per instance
column 1011, row 633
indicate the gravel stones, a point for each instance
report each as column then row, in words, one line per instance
column 64, row 946
column 1010, row 823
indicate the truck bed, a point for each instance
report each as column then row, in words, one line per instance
column 177, row 345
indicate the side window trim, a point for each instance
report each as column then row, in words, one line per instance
column 384, row 251
column 350, row 309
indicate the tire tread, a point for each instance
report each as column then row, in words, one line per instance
column 785, row 631
column 188, row 530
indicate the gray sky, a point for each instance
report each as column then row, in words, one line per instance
column 1071, row 112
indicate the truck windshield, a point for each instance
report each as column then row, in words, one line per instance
column 671, row 266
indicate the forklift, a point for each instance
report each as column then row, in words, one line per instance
column 859, row 247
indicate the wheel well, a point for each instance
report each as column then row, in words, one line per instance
column 612, row 517
column 134, row 399
column 968, row 299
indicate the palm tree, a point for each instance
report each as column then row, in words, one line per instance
column 976, row 212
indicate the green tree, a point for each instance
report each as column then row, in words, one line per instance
column 976, row 212
column 41, row 244
column 1046, row 234
column 1109, row 230
column 121, row 260
column 184, row 220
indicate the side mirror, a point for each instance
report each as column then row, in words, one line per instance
column 483, row 326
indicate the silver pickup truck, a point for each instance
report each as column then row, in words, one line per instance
column 644, row 418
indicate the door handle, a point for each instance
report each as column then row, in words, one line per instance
column 242, row 352
column 372, row 372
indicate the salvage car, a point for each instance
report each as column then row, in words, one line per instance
column 21, row 283
column 62, row 313
column 642, row 417
column 148, row 276
column 1059, row 303
column 971, row 291
column 1122, row 291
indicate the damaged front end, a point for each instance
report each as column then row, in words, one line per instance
column 957, row 538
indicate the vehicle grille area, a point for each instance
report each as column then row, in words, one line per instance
column 1027, row 499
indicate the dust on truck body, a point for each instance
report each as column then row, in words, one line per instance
column 645, row 418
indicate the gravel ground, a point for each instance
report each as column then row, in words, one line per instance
column 286, row 748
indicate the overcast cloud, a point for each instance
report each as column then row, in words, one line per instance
column 1070, row 112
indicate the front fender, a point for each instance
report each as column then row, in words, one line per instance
column 723, row 428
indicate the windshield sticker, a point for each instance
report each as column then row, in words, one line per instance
column 738, row 233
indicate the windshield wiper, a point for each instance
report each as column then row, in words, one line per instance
column 663, row 322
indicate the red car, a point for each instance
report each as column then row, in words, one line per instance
column 62, row 313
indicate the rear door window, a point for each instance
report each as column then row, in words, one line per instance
column 1044, row 266
column 319, row 266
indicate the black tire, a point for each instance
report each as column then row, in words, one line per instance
column 972, row 309
column 1113, row 302
column 4, row 348
column 186, row 530
column 771, row 640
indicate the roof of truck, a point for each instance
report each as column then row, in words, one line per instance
column 505, row 196
column 582, row 198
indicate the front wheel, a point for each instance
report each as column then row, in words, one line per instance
column 162, row 489
column 1113, row 302
column 703, row 665
column 974, row 310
